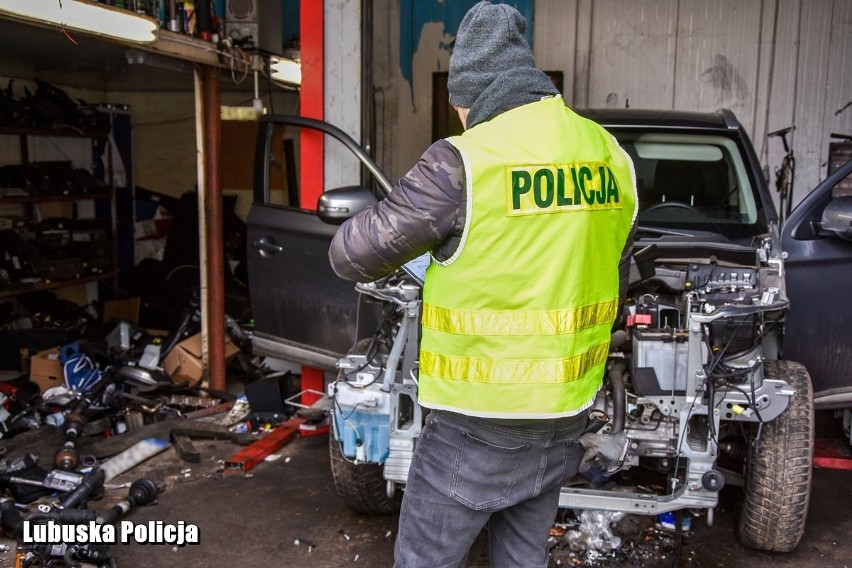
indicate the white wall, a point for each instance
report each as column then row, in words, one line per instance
column 164, row 148
column 775, row 63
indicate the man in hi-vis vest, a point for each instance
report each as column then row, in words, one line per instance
column 528, row 216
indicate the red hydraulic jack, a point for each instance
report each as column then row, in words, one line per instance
column 835, row 452
column 245, row 459
column 832, row 454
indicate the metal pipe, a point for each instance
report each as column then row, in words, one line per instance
column 395, row 354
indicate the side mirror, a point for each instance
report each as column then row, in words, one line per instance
column 837, row 217
column 339, row 204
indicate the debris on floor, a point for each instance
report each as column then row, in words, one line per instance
column 604, row 539
column 96, row 408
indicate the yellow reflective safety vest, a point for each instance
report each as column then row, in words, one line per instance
column 516, row 324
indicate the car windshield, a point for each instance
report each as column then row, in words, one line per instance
column 693, row 182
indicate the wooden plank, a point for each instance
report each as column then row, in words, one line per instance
column 183, row 47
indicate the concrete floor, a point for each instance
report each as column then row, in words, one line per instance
column 286, row 513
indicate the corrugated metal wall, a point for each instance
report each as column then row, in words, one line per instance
column 775, row 63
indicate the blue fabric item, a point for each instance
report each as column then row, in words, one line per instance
column 81, row 373
column 68, row 351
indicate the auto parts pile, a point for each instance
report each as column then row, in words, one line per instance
column 108, row 406
column 49, row 107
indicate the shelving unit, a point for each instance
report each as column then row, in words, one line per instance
column 31, row 202
column 103, row 65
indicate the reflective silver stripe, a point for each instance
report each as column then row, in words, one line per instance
column 481, row 370
column 518, row 322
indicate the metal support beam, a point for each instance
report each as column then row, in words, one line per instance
column 211, row 246
column 312, row 101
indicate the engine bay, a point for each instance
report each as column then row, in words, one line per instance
column 686, row 365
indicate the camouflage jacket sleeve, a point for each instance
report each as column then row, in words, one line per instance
column 424, row 212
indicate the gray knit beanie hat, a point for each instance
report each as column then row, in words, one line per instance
column 491, row 39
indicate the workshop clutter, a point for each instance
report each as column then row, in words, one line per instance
column 49, row 108
column 46, row 370
column 92, row 409
column 129, row 376
column 594, row 537
column 183, row 362
column 54, row 220
column 38, row 321
column 53, row 250
column 48, row 178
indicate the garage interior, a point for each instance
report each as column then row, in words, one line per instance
column 128, row 172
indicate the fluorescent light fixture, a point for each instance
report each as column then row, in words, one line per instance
column 85, row 16
column 285, row 70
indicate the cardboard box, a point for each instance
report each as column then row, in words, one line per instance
column 127, row 309
column 46, row 369
column 183, row 363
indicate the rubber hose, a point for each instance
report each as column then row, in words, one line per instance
column 82, row 492
column 112, row 514
column 72, row 516
column 619, row 398
column 174, row 338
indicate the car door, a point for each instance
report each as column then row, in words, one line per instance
column 819, row 280
column 302, row 311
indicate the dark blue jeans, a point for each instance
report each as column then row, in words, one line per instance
column 469, row 473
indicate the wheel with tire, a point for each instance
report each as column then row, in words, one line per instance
column 778, row 471
column 362, row 487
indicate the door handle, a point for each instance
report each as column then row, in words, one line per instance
column 266, row 247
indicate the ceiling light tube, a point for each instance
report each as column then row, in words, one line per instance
column 84, row 16
column 284, row 70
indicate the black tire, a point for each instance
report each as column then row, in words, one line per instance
column 361, row 486
column 778, row 471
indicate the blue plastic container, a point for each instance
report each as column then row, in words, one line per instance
column 373, row 430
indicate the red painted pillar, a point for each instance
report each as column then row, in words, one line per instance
column 311, row 99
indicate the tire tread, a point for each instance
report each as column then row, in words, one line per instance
column 361, row 487
column 778, row 475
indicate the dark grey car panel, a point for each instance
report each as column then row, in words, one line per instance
column 819, row 278
column 303, row 312
column 295, row 294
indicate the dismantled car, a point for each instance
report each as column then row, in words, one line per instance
column 704, row 374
